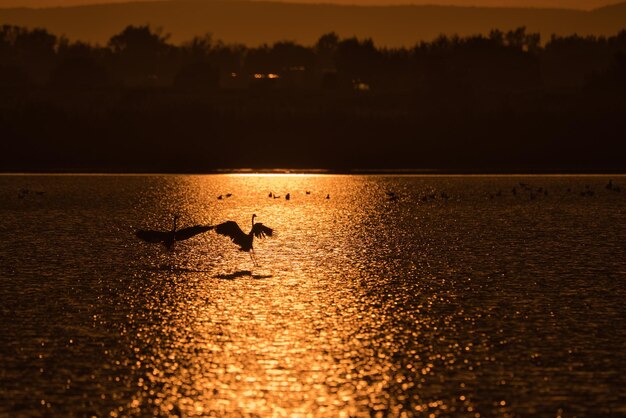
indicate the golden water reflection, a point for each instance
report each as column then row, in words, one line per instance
column 362, row 305
column 281, row 339
column 358, row 308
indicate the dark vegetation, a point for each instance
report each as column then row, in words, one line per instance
column 499, row 102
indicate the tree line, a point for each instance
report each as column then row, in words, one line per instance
column 140, row 56
column 504, row 100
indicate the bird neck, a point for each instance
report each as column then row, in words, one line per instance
column 253, row 221
column 174, row 227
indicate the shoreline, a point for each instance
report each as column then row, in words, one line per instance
column 286, row 171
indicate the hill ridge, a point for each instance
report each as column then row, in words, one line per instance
column 257, row 22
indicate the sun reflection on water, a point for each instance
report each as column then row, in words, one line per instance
column 362, row 304
column 252, row 342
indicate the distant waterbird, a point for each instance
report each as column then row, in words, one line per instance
column 611, row 186
column 391, row 196
column 287, row 196
column 587, row 192
column 243, row 240
column 168, row 238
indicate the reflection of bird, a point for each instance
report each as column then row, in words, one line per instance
column 168, row 238
column 234, row 232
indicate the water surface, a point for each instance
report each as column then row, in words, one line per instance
column 475, row 302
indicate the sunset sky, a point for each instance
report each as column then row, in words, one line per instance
column 571, row 4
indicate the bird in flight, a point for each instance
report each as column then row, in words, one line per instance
column 168, row 238
column 234, row 232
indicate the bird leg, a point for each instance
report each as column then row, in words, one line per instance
column 253, row 258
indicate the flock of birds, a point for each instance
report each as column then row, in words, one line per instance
column 229, row 228
column 272, row 195
column 288, row 195
column 22, row 193
column 534, row 193
column 245, row 241
column 520, row 189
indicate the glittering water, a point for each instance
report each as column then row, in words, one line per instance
column 475, row 302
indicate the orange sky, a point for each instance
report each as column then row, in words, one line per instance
column 570, row 4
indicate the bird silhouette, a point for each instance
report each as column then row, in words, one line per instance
column 168, row 238
column 287, row 196
column 234, row 232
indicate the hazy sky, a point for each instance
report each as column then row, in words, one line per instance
column 571, row 4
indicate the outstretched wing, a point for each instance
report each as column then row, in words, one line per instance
column 152, row 236
column 261, row 231
column 232, row 230
column 191, row 231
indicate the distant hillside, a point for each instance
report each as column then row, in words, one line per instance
column 558, row 4
column 257, row 22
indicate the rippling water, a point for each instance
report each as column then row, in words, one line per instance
column 485, row 303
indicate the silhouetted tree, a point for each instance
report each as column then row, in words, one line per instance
column 80, row 67
column 288, row 56
column 198, row 67
column 358, row 59
column 325, row 49
column 566, row 61
column 140, row 57
column 32, row 50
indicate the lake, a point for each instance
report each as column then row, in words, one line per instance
column 456, row 296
